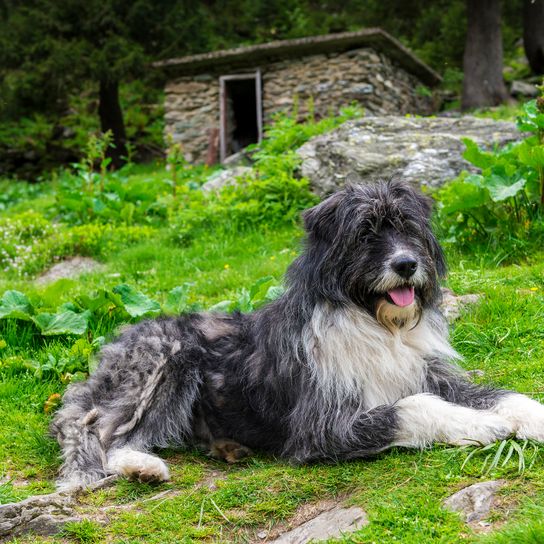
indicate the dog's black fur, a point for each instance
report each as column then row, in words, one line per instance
column 263, row 380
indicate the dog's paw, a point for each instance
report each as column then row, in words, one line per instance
column 424, row 419
column 525, row 414
column 137, row 465
column 485, row 429
column 229, row 450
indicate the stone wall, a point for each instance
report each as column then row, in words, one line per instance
column 330, row 81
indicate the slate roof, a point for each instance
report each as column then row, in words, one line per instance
column 262, row 54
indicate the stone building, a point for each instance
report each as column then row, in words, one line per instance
column 217, row 103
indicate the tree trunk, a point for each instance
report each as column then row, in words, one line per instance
column 483, row 84
column 111, row 118
column 533, row 34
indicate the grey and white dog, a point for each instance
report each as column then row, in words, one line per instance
column 353, row 359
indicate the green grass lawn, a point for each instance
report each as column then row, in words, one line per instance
column 208, row 501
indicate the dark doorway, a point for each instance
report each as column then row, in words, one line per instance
column 240, row 112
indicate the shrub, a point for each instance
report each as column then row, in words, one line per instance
column 29, row 242
column 273, row 195
column 501, row 208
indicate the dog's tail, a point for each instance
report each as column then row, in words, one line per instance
column 84, row 458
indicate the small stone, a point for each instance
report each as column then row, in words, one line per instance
column 453, row 305
column 359, row 90
column 475, row 501
column 226, row 177
column 262, row 534
column 330, row 524
column 523, row 89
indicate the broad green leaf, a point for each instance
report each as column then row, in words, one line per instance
column 103, row 302
column 499, row 190
column 176, row 301
column 136, row 303
column 531, row 155
column 460, row 196
column 15, row 305
column 475, row 156
column 223, row 306
column 274, row 292
column 475, row 179
column 55, row 291
column 66, row 322
column 259, row 288
column 243, row 303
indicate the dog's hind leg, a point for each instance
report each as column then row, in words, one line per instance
column 141, row 397
column 84, row 457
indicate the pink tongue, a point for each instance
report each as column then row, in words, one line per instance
column 403, row 296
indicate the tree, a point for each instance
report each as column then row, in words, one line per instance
column 50, row 48
column 483, row 84
column 533, row 34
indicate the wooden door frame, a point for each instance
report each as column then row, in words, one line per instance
column 223, row 107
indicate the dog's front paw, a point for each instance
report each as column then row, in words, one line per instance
column 485, row 429
column 525, row 414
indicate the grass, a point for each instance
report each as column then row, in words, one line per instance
column 207, row 501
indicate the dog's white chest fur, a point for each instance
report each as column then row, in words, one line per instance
column 352, row 354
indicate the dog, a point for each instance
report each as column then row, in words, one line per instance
column 353, row 359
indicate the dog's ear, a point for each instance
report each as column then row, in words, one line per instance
column 426, row 203
column 321, row 220
column 437, row 255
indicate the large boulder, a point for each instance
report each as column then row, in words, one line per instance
column 422, row 151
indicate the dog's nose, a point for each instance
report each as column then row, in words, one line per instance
column 404, row 266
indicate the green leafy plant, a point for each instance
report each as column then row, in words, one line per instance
column 503, row 206
column 262, row 291
column 83, row 315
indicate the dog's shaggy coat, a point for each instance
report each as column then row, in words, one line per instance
column 353, row 359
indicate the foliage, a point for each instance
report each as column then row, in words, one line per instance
column 262, row 291
column 121, row 304
column 29, row 242
column 13, row 192
column 92, row 194
column 504, row 455
column 274, row 195
column 501, row 208
column 49, row 101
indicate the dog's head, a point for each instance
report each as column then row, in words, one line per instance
column 372, row 245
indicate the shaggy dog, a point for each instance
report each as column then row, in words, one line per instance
column 351, row 360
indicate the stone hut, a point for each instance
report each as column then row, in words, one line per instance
column 217, row 103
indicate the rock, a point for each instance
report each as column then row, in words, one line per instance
column 226, row 177
column 422, row 151
column 70, row 268
column 329, row 524
column 43, row 514
column 453, row 305
column 475, row 501
column 523, row 89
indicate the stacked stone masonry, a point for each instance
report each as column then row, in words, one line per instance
column 326, row 82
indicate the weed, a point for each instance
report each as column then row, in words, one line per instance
column 84, row 532
column 506, row 455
